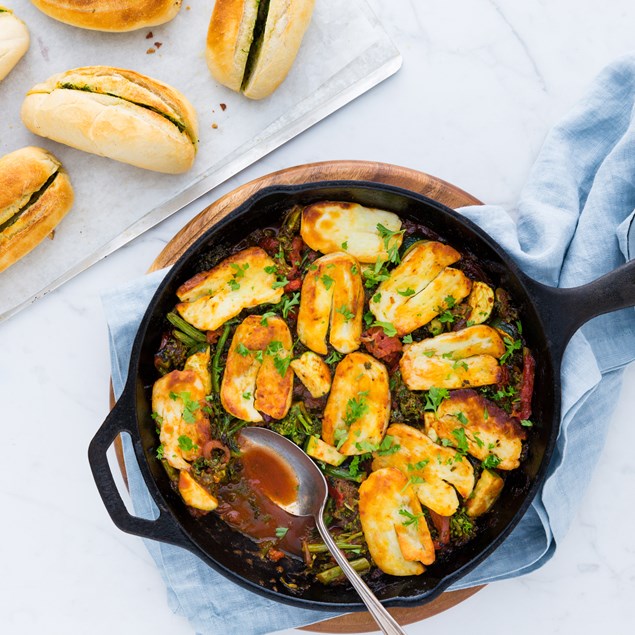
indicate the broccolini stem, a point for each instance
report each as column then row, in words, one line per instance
column 216, row 361
column 319, row 547
column 186, row 339
column 186, row 327
column 361, row 565
column 338, row 472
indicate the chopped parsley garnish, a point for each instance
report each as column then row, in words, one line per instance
column 345, row 312
column 156, row 417
column 233, row 284
column 355, row 409
column 460, row 364
column 190, row 406
column 434, row 397
column 345, row 245
column 271, row 269
column 510, row 347
column 246, row 395
column 239, row 271
column 265, row 318
column 282, row 364
column 461, row 417
column 160, row 452
column 411, row 519
column 450, row 301
column 186, row 444
column 461, row 440
column 281, row 532
column 377, row 274
column 407, row 292
column 407, row 339
column 491, row 461
column 340, row 435
column 388, row 446
column 526, row 423
column 392, row 249
column 419, row 465
column 242, row 350
column 282, row 282
column 288, row 303
column 376, row 297
column 327, row 281
column 388, row 327
column 334, row 357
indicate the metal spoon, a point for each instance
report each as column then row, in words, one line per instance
column 310, row 501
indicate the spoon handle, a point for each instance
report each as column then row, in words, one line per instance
column 384, row 619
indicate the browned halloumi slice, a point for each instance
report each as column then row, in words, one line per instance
column 489, row 429
column 245, row 279
column 481, row 303
column 178, row 399
column 194, row 494
column 332, row 301
column 468, row 357
column 313, row 372
column 253, row 382
column 432, row 468
column 358, row 408
column 330, row 226
column 395, row 529
column 420, row 287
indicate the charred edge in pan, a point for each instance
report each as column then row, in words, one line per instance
column 256, row 42
column 34, row 198
column 87, row 89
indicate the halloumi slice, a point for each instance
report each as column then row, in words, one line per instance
column 245, row 279
column 313, row 372
column 420, row 287
column 334, row 226
column 177, row 401
column 194, row 494
column 395, row 529
column 358, row 408
column 253, row 382
column 432, row 468
column 468, row 357
column 332, row 301
column 488, row 428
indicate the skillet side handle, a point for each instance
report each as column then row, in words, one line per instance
column 164, row 528
column 566, row 310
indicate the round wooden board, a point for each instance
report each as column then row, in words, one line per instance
column 406, row 178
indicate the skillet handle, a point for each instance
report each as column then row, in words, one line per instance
column 566, row 310
column 163, row 528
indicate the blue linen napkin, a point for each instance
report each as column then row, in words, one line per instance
column 573, row 219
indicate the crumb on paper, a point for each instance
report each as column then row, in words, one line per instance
column 214, row 125
column 223, row 107
column 158, row 44
column 150, row 51
column 187, row 8
column 51, row 236
column 149, row 36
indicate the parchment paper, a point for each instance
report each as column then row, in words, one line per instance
column 344, row 52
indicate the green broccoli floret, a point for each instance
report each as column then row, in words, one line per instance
column 462, row 528
column 297, row 425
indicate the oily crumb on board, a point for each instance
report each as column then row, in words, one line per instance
column 150, row 51
column 223, row 107
column 149, row 36
column 158, row 44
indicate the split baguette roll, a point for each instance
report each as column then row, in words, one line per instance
column 35, row 194
column 115, row 113
column 14, row 41
column 252, row 44
column 110, row 15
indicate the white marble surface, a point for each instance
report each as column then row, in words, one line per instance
column 482, row 82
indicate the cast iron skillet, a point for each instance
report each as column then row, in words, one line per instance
column 549, row 315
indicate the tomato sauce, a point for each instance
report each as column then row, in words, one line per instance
column 251, row 503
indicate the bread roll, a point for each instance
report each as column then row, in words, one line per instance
column 252, row 44
column 118, row 114
column 110, row 15
column 14, row 41
column 35, row 194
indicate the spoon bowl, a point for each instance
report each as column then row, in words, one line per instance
column 311, row 497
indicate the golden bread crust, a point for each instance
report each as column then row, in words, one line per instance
column 110, row 15
column 22, row 174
